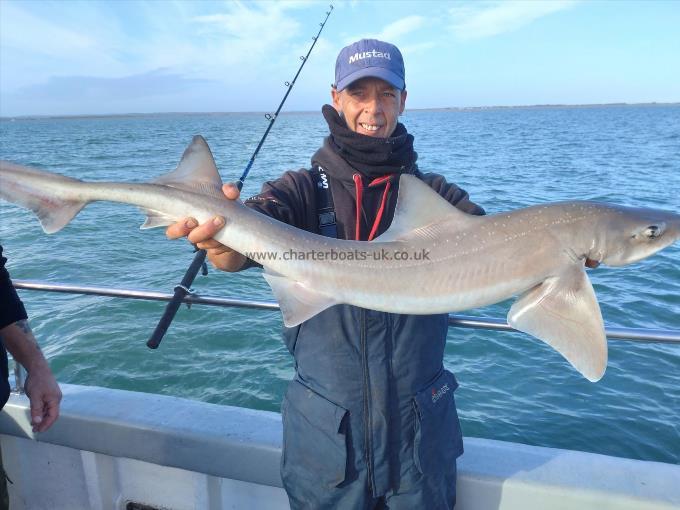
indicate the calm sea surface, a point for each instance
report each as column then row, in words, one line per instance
column 512, row 387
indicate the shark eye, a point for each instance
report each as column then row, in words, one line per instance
column 652, row 232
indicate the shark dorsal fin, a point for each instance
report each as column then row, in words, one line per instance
column 196, row 170
column 419, row 206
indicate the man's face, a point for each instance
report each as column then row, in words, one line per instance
column 370, row 106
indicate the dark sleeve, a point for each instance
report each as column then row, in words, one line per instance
column 290, row 199
column 451, row 193
column 11, row 307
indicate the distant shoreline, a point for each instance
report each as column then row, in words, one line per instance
column 439, row 109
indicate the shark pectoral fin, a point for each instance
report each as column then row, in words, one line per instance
column 297, row 301
column 156, row 219
column 564, row 313
column 196, row 170
column 420, row 206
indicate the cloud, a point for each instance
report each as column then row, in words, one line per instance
column 23, row 30
column 98, row 39
column 395, row 30
column 92, row 88
column 486, row 19
column 247, row 29
column 47, row 43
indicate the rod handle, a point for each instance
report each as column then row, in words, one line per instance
column 173, row 305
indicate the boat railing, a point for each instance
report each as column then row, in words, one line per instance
column 646, row 335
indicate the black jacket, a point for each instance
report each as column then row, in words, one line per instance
column 11, row 311
column 292, row 198
column 362, row 405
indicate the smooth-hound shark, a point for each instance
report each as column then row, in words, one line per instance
column 433, row 258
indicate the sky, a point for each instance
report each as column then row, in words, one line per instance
column 112, row 57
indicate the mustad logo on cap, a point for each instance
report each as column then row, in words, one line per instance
column 369, row 58
column 369, row 54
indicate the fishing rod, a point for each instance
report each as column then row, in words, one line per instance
column 184, row 287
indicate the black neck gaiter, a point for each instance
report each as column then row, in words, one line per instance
column 372, row 156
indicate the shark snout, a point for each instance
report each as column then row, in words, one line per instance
column 639, row 233
column 669, row 228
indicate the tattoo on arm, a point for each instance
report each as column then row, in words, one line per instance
column 23, row 326
column 26, row 334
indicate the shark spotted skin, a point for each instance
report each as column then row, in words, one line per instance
column 453, row 261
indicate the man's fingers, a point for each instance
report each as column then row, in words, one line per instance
column 213, row 246
column 231, row 191
column 50, row 415
column 189, row 228
column 37, row 410
column 206, row 231
column 44, row 396
column 201, row 235
column 181, row 228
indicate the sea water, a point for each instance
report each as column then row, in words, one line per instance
column 512, row 387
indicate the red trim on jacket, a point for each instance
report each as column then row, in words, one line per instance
column 359, row 186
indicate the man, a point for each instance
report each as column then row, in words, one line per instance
column 17, row 338
column 370, row 419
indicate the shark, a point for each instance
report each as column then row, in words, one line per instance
column 432, row 259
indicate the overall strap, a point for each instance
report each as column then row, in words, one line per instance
column 324, row 202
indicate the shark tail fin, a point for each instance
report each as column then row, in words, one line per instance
column 48, row 195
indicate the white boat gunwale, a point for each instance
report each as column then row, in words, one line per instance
column 233, row 456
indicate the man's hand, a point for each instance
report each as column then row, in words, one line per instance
column 221, row 256
column 44, row 394
column 41, row 386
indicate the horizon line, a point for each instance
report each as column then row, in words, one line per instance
column 439, row 108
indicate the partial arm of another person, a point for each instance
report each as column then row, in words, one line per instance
column 41, row 386
column 16, row 336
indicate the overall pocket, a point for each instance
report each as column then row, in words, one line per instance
column 314, row 438
column 438, row 439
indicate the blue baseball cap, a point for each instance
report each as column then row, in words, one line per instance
column 370, row 57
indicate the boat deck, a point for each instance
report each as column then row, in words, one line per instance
column 114, row 449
